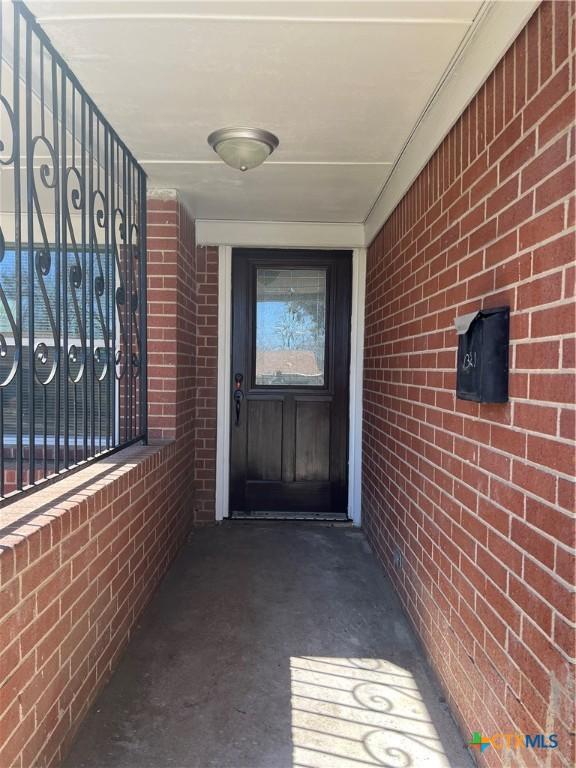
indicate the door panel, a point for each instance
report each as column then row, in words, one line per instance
column 290, row 367
column 312, row 440
column 264, row 419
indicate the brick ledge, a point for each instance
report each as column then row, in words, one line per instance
column 27, row 515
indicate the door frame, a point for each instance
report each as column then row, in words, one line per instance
column 224, row 373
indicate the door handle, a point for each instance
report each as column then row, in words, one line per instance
column 238, row 395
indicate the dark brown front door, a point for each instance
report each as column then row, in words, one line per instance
column 289, row 389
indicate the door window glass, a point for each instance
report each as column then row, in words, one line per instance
column 290, row 327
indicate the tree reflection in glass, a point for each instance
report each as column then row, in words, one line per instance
column 290, row 327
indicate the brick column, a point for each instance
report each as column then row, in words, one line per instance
column 183, row 346
column 164, row 312
column 206, row 381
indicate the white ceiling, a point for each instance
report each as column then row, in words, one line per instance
column 341, row 83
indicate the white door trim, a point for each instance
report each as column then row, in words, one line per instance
column 224, row 378
column 356, row 379
column 223, row 401
column 280, row 234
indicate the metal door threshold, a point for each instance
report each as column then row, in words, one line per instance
column 324, row 517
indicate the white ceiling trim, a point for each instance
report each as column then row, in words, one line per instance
column 73, row 17
column 268, row 163
column 283, row 234
column 485, row 46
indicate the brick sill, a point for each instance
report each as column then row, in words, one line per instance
column 42, row 513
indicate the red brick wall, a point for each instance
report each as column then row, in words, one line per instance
column 77, row 566
column 182, row 346
column 80, row 559
column 171, row 319
column 206, row 382
column 477, row 501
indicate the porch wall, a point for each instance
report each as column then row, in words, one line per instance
column 80, row 559
column 183, row 345
column 470, row 507
column 78, row 566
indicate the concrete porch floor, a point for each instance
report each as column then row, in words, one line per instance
column 272, row 645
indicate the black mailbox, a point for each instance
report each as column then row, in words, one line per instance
column 482, row 372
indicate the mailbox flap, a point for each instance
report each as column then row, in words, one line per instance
column 464, row 322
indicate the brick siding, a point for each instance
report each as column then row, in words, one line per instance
column 80, row 559
column 470, row 507
column 206, row 383
column 183, row 345
column 77, row 567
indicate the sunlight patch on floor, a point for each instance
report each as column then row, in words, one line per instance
column 349, row 713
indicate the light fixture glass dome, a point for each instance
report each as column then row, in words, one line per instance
column 243, row 148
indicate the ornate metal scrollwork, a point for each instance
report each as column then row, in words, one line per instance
column 72, row 272
column 118, row 242
column 74, row 188
column 7, row 109
column 4, row 346
column 134, row 246
column 101, row 355
column 7, row 348
column 44, row 262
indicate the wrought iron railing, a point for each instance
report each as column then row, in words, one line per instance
column 72, row 268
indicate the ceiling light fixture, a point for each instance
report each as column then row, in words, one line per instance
column 243, row 148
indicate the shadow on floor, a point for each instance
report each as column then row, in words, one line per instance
column 272, row 645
